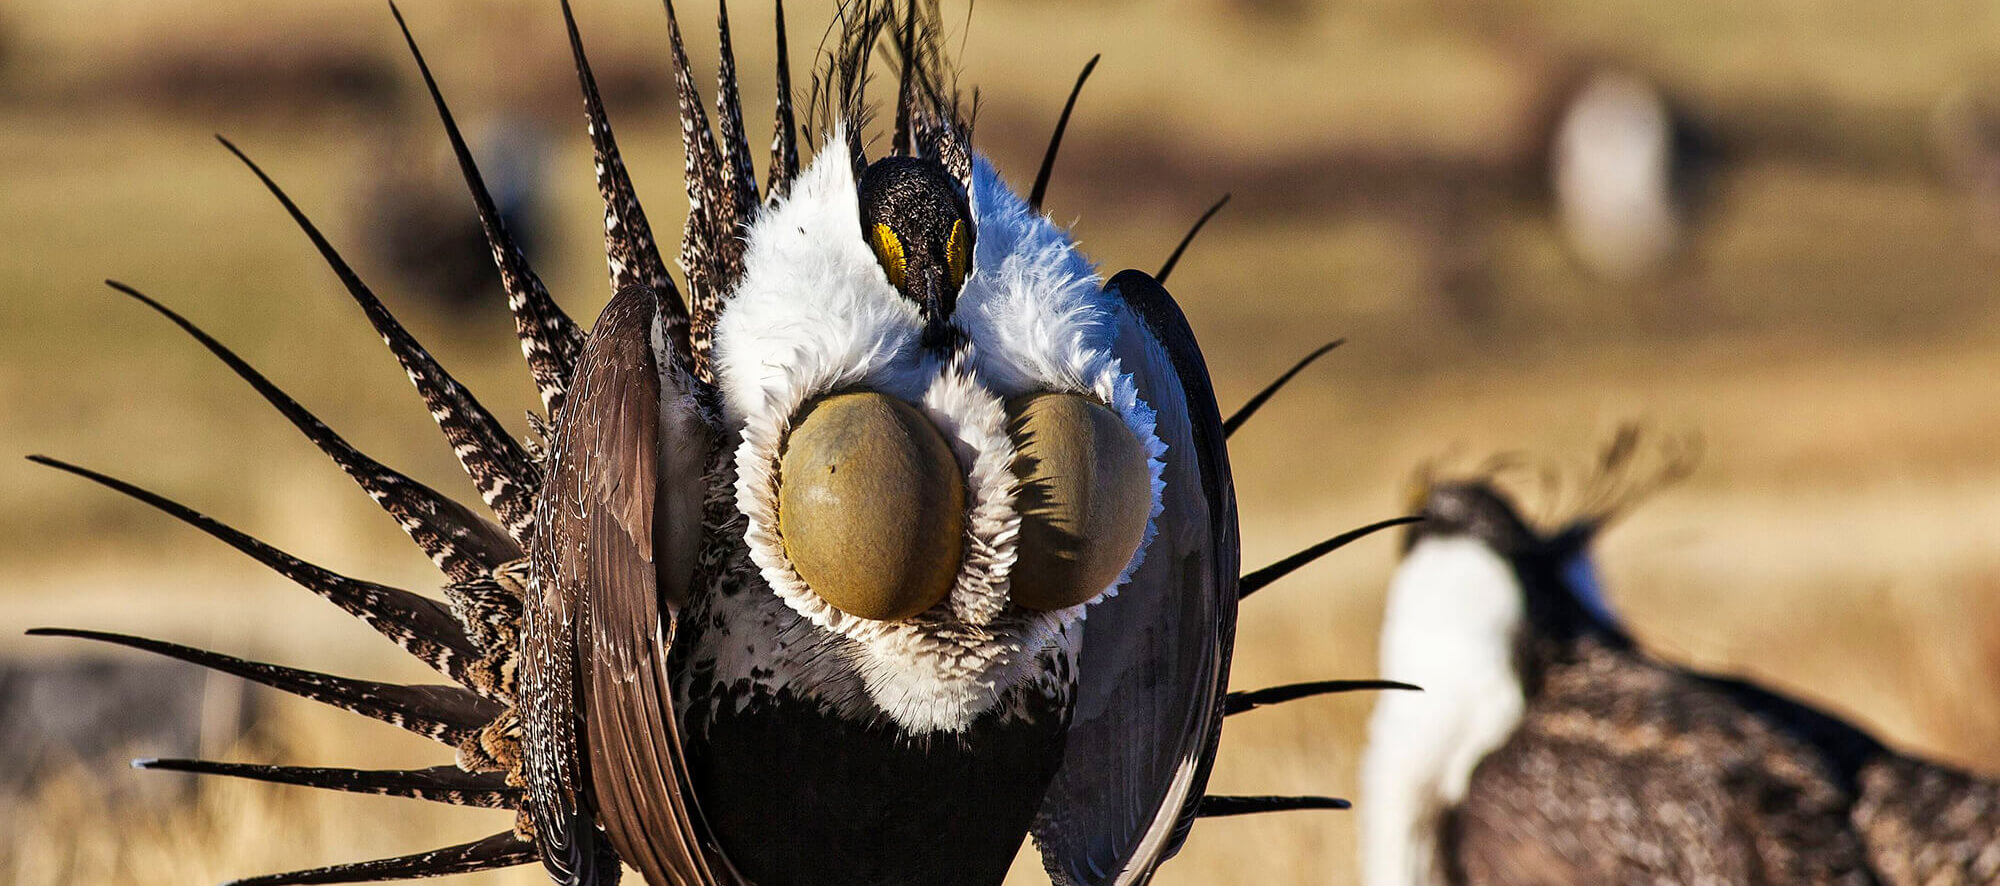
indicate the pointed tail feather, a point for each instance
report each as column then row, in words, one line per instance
column 549, row 338
column 711, row 251
column 1250, row 407
column 498, row 851
column 438, row 784
column 1041, row 188
column 739, row 175
column 446, row 714
column 785, row 129
column 634, row 256
column 463, row 544
column 422, row 626
column 1238, row 702
column 1175, row 257
column 1256, row 580
column 506, row 477
column 1219, row 806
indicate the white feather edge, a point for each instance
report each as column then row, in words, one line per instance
column 1454, row 610
column 815, row 313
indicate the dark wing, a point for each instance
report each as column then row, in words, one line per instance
column 619, row 519
column 1155, row 658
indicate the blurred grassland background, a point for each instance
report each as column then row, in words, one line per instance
column 1833, row 336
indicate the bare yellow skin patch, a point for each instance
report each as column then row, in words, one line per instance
column 871, row 506
column 889, row 252
column 1084, row 498
column 958, row 253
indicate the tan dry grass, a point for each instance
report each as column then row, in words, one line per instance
column 1836, row 346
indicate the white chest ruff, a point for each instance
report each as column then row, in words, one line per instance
column 814, row 314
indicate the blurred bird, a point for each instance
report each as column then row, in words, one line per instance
column 902, row 537
column 1629, row 173
column 1549, row 749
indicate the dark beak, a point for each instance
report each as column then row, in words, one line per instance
column 937, row 299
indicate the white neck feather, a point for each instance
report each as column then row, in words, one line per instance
column 1453, row 612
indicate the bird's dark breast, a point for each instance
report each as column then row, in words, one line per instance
column 799, row 795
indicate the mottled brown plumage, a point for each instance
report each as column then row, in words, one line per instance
column 1620, row 768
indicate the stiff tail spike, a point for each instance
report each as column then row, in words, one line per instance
column 1041, row 188
column 1255, row 581
column 498, row 851
column 445, row 714
column 438, row 784
column 1238, row 702
column 711, row 253
column 463, row 544
column 506, row 477
column 630, row 251
column 1175, row 258
column 422, row 626
column 1250, row 407
column 739, row 173
column 785, row 129
column 1221, row 806
column 550, row 340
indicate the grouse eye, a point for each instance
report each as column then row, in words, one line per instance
column 1084, row 497
column 871, row 506
column 889, row 252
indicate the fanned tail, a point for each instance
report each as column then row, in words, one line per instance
column 501, row 850
column 499, row 467
column 550, row 340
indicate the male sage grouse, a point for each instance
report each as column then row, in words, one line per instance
column 1549, row 749
column 902, row 537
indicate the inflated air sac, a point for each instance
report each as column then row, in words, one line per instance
column 1083, row 499
column 871, row 506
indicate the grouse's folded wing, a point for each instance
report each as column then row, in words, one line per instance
column 619, row 520
column 1155, row 658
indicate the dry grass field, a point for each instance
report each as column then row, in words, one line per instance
column 1834, row 339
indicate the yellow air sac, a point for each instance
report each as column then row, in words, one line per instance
column 871, row 506
column 1083, row 499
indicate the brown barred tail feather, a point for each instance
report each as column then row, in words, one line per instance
column 424, row 627
column 438, row 784
column 463, row 544
column 785, row 128
column 711, row 253
column 549, row 338
column 501, row 850
column 496, row 462
column 629, row 248
column 446, row 714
